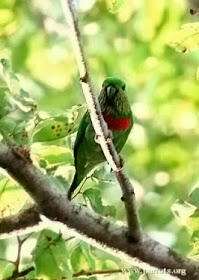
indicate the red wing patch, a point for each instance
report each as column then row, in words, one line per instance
column 117, row 123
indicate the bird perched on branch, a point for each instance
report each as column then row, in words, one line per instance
column 118, row 116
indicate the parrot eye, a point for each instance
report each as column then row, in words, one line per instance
column 123, row 87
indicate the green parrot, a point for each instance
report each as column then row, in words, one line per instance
column 117, row 113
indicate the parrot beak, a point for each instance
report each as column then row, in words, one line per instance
column 111, row 91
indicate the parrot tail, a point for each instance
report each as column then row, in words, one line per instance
column 73, row 186
column 78, row 178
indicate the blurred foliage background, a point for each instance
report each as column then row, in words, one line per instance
column 130, row 39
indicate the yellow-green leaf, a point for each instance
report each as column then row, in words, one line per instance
column 55, row 155
column 52, row 129
column 186, row 39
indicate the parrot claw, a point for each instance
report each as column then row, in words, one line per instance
column 108, row 140
column 110, row 137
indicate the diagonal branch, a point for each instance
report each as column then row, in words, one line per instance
column 93, row 228
column 100, row 126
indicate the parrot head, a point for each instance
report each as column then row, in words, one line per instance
column 112, row 86
column 113, row 99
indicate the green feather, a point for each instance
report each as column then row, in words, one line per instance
column 81, row 133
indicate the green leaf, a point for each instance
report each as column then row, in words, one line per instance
column 195, row 250
column 135, row 276
column 87, row 253
column 51, row 256
column 194, row 197
column 7, row 270
column 5, row 105
column 6, row 65
column 195, row 236
column 52, row 129
column 17, row 109
column 187, row 214
column 182, row 211
column 78, row 260
column 9, row 77
column 94, row 196
column 60, row 183
column 187, row 38
column 193, row 221
column 14, row 130
column 3, row 183
column 55, row 155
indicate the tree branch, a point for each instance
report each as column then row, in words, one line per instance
column 100, row 127
column 27, row 218
column 97, row 230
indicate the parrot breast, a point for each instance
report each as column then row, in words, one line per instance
column 117, row 123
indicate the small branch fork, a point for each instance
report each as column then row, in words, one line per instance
column 20, row 244
column 100, row 127
column 16, row 273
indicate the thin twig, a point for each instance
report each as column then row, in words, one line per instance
column 5, row 260
column 69, row 238
column 96, row 272
column 18, row 259
column 79, row 191
column 100, row 126
column 16, row 274
column 17, row 262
